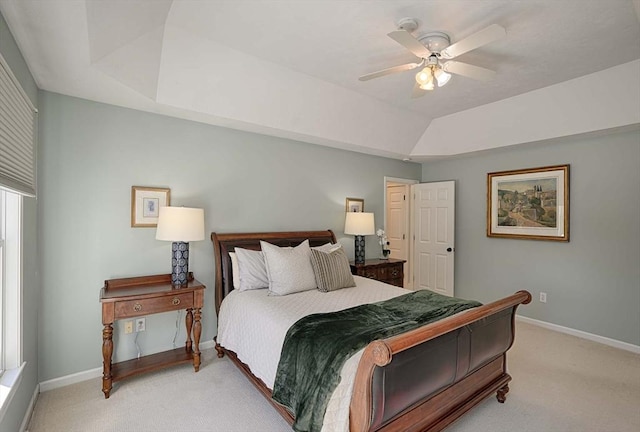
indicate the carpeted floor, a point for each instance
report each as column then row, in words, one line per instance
column 560, row 383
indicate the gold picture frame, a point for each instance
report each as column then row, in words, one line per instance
column 146, row 203
column 354, row 205
column 529, row 203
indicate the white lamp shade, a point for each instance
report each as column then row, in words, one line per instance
column 180, row 224
column 358, row 223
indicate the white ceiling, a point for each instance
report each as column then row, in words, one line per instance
column 290, row 68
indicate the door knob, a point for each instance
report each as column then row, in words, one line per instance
column 449, row 249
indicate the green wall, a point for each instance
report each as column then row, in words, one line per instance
column 30, row 290
column 592, row 282
column 90, row 156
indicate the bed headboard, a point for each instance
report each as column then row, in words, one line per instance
column 225, row 243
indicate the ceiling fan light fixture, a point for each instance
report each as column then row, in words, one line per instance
column 427, row 86
column 442, row 77
column 424, row 76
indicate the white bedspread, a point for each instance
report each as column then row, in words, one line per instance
column 253, row 324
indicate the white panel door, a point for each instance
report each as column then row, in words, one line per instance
column 434, row 218
column 398, row 223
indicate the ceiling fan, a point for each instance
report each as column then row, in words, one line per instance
column 431, row 48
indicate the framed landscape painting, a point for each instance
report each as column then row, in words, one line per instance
column 529, row 203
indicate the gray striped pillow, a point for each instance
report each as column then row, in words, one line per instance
column 332, row 270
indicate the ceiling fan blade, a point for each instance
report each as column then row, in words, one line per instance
column 405, row 39
column 417, row 91
column 476, row 40
column 389, row 71
column 470, row 71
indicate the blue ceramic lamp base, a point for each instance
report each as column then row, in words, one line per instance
column 359, row 248
column 179, row 263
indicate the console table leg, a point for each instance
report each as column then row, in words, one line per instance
column 197, row 330
column 188, row 319
column 107, row 351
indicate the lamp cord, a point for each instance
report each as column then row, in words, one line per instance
column 135, row 340
column 175, row 336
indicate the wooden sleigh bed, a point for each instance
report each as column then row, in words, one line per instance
column 421, row 380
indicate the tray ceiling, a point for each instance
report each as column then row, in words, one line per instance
column 291, row 68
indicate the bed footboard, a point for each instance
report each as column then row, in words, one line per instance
column 424, row 379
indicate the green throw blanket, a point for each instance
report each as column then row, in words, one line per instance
column 317, row 346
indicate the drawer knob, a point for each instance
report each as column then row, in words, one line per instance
column 395, row 272
column 137, row 307
column 175, row 301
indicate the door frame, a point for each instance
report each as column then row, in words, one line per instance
column 409, row 221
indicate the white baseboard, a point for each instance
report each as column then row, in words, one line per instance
column 90, row 374
column 207, row 345
column 32, row 405
column 70, row 379
column 581, row 334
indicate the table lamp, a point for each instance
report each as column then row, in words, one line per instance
column 359, row 224
column 180, row 225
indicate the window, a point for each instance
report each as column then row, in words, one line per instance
column 10, row 240
column 17, row 178
column 10, row 296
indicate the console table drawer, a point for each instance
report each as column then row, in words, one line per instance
column 131, row 308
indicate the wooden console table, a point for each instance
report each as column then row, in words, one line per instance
column 145, row 295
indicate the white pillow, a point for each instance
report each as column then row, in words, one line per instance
column 252, row 270
column 289, row 270
column 327, row 247
column 234, row 270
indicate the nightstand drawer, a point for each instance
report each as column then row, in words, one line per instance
column 371, row 273
column 394, row 272
column 131, row 308
column 389, row 271
column 383, row 273
column 396, row 282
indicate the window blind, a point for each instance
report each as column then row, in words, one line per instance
column 17, row 135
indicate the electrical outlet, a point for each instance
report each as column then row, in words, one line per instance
column 543, row 297
column 128, row 327
column 141, row 324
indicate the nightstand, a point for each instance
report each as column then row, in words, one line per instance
column 136, row 296
column 388, row 270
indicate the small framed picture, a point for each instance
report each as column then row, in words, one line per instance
column 529, row 203
column 146, row 203
column 355, row 205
